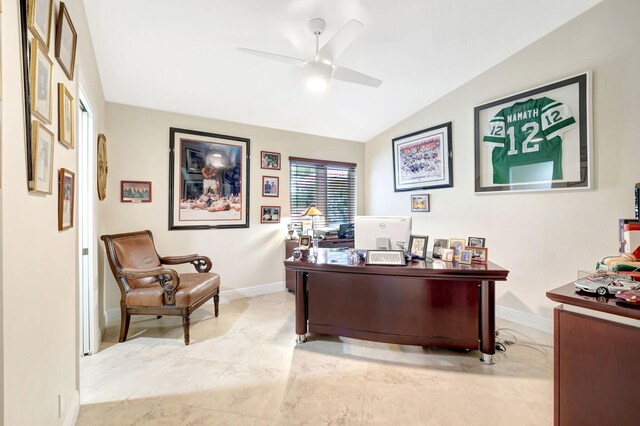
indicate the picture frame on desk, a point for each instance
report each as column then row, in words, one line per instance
column 438, row 245
column 385, row 258
column 305, row 241
column 465, row 257
column 457, row 244
column 479, row 254
column 418, row 245
column 476, row 242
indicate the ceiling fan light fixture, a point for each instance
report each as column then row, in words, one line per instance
column 317, row 76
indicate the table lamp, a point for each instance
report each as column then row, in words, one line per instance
column 312, row 211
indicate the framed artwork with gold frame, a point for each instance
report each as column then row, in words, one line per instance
column 40, row 69
column 66, row 198
column 65, row 116
column 66, row 41
column 39, row 15
column 42, row 158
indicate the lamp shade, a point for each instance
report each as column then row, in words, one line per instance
column 312, row 211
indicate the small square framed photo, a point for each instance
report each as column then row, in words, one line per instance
column 420, row 203
column 66, row 198
column 418, row 245
column 476, row 242
column 447, row 255
column 465, row 256
column 270, row 214
column 132, row 191
column 270, row 186
column 305, row 241
column 269, row 160
column 457, row 244
column 438, row 246
column 479, row 254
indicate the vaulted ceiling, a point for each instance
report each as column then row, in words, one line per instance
column 182, row 56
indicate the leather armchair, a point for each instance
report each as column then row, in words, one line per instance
column 147, row 287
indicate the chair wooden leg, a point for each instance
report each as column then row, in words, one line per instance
column 185, row 324
column 124, row 324
column 216, row 299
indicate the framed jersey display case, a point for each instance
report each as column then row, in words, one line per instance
column 535, row 140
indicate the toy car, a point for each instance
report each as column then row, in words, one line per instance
column 603, row 284
column 629, row 296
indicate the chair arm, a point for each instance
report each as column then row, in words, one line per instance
column 201, row 263
column 168, row 279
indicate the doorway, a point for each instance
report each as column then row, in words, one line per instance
column 89, row 331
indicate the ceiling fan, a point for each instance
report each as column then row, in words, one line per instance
column 319, row 70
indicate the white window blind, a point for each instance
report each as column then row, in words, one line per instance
column 331, row 186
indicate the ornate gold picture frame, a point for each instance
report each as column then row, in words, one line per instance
column 65, row 117
column 40, row 68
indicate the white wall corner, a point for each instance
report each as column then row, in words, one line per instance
column 530, row 320
column 74, row 409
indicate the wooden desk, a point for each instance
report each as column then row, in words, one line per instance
column 426, row 304
column 596, row 347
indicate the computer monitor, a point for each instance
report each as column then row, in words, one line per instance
column 382, row 232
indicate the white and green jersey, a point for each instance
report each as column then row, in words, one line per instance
column 528, row 132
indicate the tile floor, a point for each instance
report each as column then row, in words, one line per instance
column 243, row 368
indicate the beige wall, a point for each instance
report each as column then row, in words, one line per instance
column 40, row 302
column 138, row 146
column 542, row 238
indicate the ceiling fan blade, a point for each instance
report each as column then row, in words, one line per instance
column 274, row 56
column 351, row 76
column 339, row 42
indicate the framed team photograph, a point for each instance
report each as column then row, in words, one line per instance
column 270, row 214
column 438, row 246
column 66, row 41
column 40, row 69
column 270, row 160
column 216, row 195
column 270, row 186
column 39, row 16
column 535, row 140
column 465, row 256
column 135, row 191
column 42, row 158
column 65, row 116
column 418, row 245
column 420, row 203
column 66, row 198
column 457, row 244
column 476, row 242
column 479, row 254
column 305, row 241
column 423, row 159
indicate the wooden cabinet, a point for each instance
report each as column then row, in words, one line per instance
column 291, row 244
column 596, row 374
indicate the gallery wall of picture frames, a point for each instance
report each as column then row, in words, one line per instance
column 270, row 160
column 47, row 30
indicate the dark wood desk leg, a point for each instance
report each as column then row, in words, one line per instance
column 487, row 321
column 301, row 307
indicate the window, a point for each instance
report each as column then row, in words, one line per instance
column 331, row 186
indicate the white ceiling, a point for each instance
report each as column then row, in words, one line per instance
column 181, row 56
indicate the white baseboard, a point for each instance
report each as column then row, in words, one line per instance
column 258, row 290
column 74, row 409
column 530, row 320
column 113, row 315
